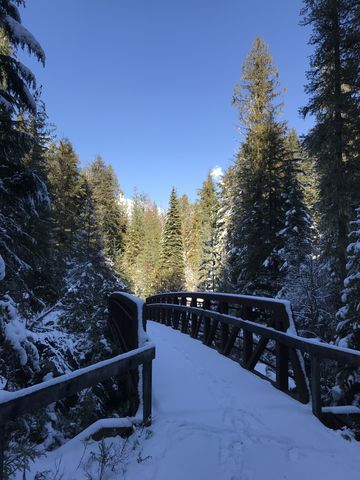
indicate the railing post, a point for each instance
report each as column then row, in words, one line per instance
column 224, row 328
column 176, row 314
column 247, row 347
column 282, row 366
column 206, row 306
column 147, row 392
column 194, row 318
column 315, row 386
column 247, row 337
column 184, row 317
column 2, row 451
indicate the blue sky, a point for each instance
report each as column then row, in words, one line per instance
column 147, row 84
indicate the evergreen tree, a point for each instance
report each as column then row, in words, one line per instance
column 209, row 209
column 348, row 329
column 16, row 80
column 90, row 236
column 135, row 242
column 23, row 193
column 110, row 215
column 191, row 234
column 64, row 183
column 257, row 211
column 297, row 224
column 223, row 224
column 149, row 257
column 304, row 282
column 171, row 267
column 334, row 141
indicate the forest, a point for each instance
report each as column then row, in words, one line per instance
column 282, row 221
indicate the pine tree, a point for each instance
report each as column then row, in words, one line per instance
column 171, row 266
column 302, row 279
column 110, row 215
column 333, row 86
column 257, row 211
column 191, row 234
column 90, row 235
column 223, row 226
column 64, row 182
column 348, row 329
column 23, row 193
column 134, row 243
column 149, row 257
column 296, row 231
column 16, row 80
column 209, row 209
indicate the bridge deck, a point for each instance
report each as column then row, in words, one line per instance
column 214, row 420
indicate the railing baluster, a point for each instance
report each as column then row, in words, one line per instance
column 247, row 347
column 185, row 318
column 282, row 366
column 2, row 451
column 194, row 318
column 176, row 314
column 147, row 392
column 315, row 385
column 206, row 306
column 223, row 307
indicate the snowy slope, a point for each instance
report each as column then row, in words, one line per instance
column 214, row 420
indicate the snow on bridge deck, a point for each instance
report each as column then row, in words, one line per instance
column 213, row 420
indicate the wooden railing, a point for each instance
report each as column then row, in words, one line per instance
column 30, row 400
column 252, row 330
column 123, row 322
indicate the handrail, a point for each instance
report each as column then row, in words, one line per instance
column 308, row 345
column 124, row 310
column 280, row 309
column 207, row 317
column 29, row 400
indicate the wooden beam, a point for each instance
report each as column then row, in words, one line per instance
column 30, row 399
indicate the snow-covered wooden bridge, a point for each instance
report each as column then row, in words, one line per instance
column 212, row 419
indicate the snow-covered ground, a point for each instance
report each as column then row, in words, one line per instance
column 212, row 420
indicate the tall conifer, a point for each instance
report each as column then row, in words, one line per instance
column 257, row 210
column 334, row 141
column 171, row 267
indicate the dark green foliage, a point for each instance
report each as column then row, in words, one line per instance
column 348, row 329
column 209, row 204
column 110, row 215
column 257, row 212
column 15, row 78
column 171, row 266
column 64, row 184
column 333, row 88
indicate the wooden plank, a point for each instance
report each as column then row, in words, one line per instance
column 315, row 386
column 282, row 366
column 207, row 321
column 213, row 327
column 262, row 303
column 223, row 308
column 256, row 354
column 247, row 347
column 147, row 392
column 194, row 318
column 324, row 350
column 231, row 340
column 302, row 391
column 30, row 399
column 2, row 451
column 176, row 315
